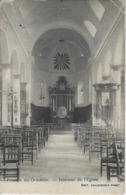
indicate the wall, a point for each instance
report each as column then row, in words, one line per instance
column 40, row 114
column 11, row 62
column 49, row 79
column 39, row 77
column 83, row 114
column 85, row 78
column 112, row 53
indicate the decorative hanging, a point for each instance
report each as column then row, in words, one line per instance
column 61, row 61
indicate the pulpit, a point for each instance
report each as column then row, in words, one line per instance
column 62, row 101
column 105, row 107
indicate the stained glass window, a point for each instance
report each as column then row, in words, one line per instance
column 61, row 61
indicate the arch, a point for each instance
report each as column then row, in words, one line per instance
column 59, row 40
column 4, row 52
column 14, row 62
column 62, row 24
column 22, row 74
column 90, row 27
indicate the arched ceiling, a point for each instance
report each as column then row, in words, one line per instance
column 59, row 46
column 92, row 19
column 36, row 13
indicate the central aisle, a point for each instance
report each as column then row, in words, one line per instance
column 61, row 158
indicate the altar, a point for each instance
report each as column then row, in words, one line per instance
column 61, row 101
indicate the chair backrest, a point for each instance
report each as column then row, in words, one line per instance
column 11, row 154
column 111, row 152
column 95, row 138
column 27, row 138
column 11, row 139
column 120, row 157
column 103, row 146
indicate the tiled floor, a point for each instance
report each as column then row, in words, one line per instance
column 61, row 158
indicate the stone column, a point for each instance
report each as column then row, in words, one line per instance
column 116, row 75
column 16, row 100
column 6, row 101
column 93, row 64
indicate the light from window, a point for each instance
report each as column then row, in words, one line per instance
column 80, row 93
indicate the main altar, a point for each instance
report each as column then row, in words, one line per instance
column 61, row 101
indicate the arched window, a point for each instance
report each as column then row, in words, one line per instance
column 42, row 91
column 80, row 93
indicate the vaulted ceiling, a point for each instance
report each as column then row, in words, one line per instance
column 60, row 45
column 41, row 24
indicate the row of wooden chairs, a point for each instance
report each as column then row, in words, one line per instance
column 98, row 141
column 19, row 145
column 112, row 159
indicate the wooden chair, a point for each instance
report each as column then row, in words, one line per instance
column 103, row 159
column 106, row 139
column 46, row 133
column 11, row 139
column 75, row 135
column 115, row 165
column 41, row 138
column 95, row 144
column 10, row 164
column 1, row 144
column 87, row 135
column 27, row 146
column 120, row 160
column 35, row 141
column 80, row 132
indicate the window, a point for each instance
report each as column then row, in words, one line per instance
column 42, row 90
column 80, row 93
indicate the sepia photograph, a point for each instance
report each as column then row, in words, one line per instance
column 62, row 97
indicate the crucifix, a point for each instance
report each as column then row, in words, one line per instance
column 10, row 94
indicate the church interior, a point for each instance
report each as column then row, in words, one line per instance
column 62, row 98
